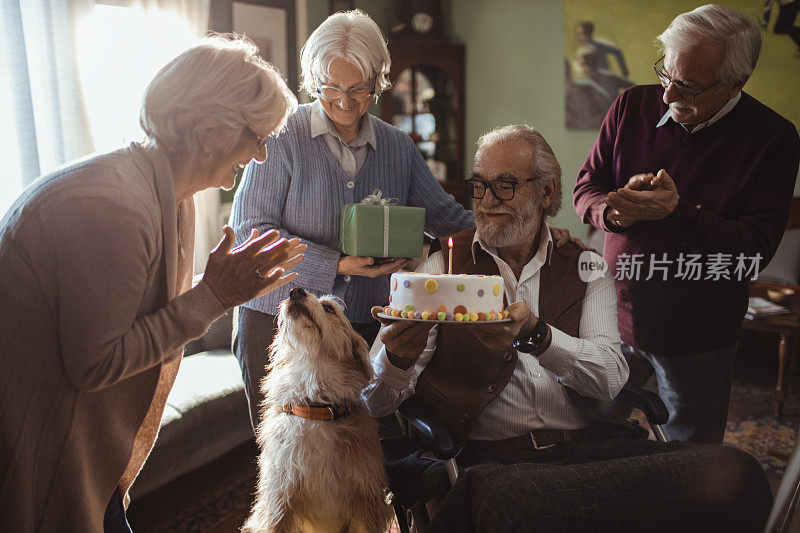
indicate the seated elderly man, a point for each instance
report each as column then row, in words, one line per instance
column 532, row 390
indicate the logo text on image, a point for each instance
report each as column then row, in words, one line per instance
column 591, row 266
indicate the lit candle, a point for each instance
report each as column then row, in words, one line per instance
column 450, row 263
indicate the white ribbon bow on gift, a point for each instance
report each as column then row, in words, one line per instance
column 375, row 199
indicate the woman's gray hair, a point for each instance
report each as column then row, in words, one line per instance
column 543, row 163
column 218, row 88
column 352, row 36
column 738, row 35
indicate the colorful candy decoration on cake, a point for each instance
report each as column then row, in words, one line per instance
column 446, row 297
column 442, row 316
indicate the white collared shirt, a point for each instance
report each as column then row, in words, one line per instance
column 350, row 156
column 534, row 398
column 724, row 110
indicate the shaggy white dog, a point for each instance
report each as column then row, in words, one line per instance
column 318, row 474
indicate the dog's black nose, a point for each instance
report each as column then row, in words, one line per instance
column 297, row 294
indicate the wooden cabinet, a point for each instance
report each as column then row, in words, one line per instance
column 427, row 101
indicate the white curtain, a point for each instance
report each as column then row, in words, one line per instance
column 194, row 12
column 208, row 228
column 41, row 103
column 46, row 79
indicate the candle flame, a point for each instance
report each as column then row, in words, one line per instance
column 450, row 242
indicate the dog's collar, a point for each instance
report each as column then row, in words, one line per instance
column 323, row 411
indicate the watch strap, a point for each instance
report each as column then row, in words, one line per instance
column 532, row 340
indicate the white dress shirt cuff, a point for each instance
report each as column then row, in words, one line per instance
column 390, row 375
column 559, row 357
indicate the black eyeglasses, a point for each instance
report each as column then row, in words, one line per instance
column 503, row 190
column 685, row 92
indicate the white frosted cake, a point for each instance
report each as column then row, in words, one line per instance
column 458, row 297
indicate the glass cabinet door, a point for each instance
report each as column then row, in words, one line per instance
column 425, row 105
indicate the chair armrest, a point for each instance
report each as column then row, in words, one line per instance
column 435, row 434
column 648, row 402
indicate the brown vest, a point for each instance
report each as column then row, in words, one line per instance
column 464, row 376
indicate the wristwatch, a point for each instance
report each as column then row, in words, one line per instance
column 533, row 340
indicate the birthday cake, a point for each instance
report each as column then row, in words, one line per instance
column 452, row 297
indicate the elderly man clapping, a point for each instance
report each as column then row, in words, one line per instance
column 690, row 170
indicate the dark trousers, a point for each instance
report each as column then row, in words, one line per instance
column 114, row 520
column 784, row 24
column 610, row 480
column 254, row 332
column 695, row 388
column 676, row 488
column 415, row 478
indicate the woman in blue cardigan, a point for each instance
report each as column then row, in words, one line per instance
column 333, row 152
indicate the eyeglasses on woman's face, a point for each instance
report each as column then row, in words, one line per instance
column 686, row 93
column 260, row 154
column 361, row 93
column 502, row 189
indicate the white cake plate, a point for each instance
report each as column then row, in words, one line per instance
column 476, row 322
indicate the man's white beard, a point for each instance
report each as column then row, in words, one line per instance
column 519, row 230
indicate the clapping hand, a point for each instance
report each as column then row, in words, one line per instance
column 644, row 197
column 252, row 269
column 639, row 182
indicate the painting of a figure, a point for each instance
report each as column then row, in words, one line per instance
column 610, row 46
column 591, row 84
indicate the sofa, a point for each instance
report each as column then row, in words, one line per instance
column 206, row 414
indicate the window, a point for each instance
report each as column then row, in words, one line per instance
column 119, row 50
column 71, row 87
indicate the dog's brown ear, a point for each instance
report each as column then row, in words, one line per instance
column 361, row 354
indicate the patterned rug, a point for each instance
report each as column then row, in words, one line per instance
column 752, row 427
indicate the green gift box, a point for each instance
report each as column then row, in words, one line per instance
column 381, row 230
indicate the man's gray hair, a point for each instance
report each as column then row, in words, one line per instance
column 219, row 86
column 349, row 35
column 543, row 163
column 738, row 35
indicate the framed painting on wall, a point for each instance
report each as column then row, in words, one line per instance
column 270, row 24
column 610, row 45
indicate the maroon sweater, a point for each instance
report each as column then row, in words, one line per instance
column 735, row 180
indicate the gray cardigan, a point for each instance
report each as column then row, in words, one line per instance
column 95, row 308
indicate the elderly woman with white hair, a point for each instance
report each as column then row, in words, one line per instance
column 95, row 276
column 333, row 152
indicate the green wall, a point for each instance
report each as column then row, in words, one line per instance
column 514, row 74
